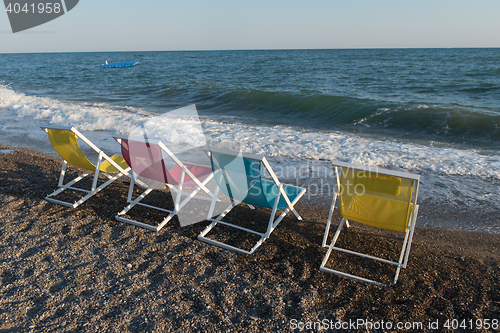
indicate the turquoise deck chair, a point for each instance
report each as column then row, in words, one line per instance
column 376, row 197
column 239, row 177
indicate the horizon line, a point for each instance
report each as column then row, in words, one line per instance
column 262, row 49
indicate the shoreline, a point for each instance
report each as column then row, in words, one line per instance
column 475, row 210
column 79, row 269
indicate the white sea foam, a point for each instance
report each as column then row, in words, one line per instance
column 286, row 141
column 22, row 114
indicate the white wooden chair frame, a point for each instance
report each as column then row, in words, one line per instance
column 94, row 188
column 405, row 251
column 271, row 225
column 177, row 189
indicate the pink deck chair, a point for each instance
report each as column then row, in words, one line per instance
column 146, row 159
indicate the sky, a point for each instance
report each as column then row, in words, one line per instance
column 162, row 25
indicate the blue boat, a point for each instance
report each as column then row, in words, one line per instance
column 119, row 64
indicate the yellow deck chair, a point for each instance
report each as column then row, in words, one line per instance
column 65, row 142
column 376, row 197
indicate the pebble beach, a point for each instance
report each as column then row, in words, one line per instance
column 68, row 270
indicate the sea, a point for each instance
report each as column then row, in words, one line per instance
column 433, row 112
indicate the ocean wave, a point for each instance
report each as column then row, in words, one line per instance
column 86, row 116
column 22, row 114
column 307, row 108
column 455, row 123
column 322, row 111
column 482, row 89
column 8, row 96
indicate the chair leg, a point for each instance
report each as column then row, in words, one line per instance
column 400, row 264
column 96, row 190
column 165, row 221
column 212, row 205
column 63, row 173
column 178, row 204
column 329, row 221
column 286, row 210
column 69, row 185
column 332, row 244
column 263, row 236
column 292, row 204
column 137, row 201
column 407, row 244
column 396, row 275
column 331, row 247
column 201, row 236
column 218, row 220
